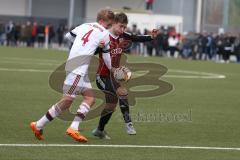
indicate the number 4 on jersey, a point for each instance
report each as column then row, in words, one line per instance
column 86, row 36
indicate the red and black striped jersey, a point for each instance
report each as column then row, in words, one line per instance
column 118, row 45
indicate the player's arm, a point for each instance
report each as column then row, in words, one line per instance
column 98, row 50
column 104, row 46
column 108, row 62
column 101, row 45
column 140, row 38
column 107, row 57
column 137, row 38
column 72, row 34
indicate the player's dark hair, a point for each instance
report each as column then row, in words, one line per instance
column 121, row 18
column 105, row 15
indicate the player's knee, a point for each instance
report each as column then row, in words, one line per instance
column 110, row 107
column 93, row 101
column 122, row 91
column 90, row 100
column 89, row 97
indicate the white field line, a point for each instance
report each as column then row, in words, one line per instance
column 121, row 146
column 32, row 63
column 203, row 75
column 25, row 70
column 29, row 59
column 194, row 74
column 197, row 77
column 186, row 74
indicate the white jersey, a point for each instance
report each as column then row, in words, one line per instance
column 88, row 37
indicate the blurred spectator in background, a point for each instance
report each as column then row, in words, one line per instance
column 148, row 44
column 9, row 30
column 204, row 42
column 209, row 47
column 165, row 41
column 34, row 33
column 173, row 43
column 187, row 45
column 60, row 34
column 28, row 33
column 149, row 4
column 41, row 35
column 237, row 44
column 220, row 47
column 228, row 49
column 2, row 33
column 135, row 45
column 159, row 45
column 51, row 34
column 194, row 45
column 17, row 34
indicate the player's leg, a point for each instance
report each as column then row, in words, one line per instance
column 124, row 107
column 53, row 112
column 86, row 91
column 84, row 108
column 106, row 114
column 104, row 84
column 69, row 93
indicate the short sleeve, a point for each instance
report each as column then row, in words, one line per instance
column 75, row 31
column 106, row 39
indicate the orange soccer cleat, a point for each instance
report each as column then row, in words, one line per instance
column 76, row 135
column 38, row 133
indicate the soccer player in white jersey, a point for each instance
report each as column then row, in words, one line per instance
column 86, row 39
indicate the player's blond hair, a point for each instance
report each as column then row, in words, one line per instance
column 105, row 15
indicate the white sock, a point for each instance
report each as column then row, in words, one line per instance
column 53, row 112
column 82, row 112
column 41, row 122
column 76, row 122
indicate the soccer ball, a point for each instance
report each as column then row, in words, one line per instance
column 122, row 74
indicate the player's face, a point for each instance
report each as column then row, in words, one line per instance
column 106, row 24
column 119, row 28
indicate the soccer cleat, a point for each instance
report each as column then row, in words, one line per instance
column 37, row 132
column 76, row 135
column 130, row 129
column 100, row 134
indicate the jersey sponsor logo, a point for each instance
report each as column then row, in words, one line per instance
column 123, row 44
column 116, row 51
column 121, row 40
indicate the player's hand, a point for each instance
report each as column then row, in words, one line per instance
column 101, row 44
column 154, row 33
column 113, row 69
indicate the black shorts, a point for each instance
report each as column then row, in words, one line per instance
column 109, row 86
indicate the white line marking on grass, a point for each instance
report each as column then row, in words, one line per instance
column 24, row 70
column 203, row 75
column 197, row 77
column 32, row 63
column 31, row 59
column 119, row 146
column 194, row 74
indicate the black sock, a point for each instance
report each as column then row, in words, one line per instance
column 124, row 106
column 105, row 116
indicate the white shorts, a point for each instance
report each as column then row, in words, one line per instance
column 75, row 84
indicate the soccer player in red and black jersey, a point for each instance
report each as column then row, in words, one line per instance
column 114, row 91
